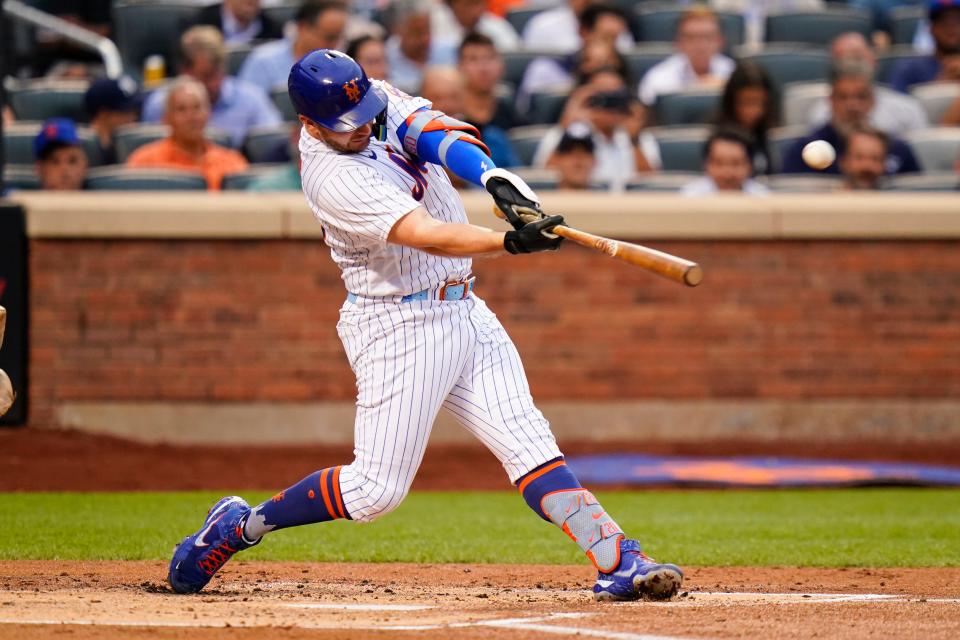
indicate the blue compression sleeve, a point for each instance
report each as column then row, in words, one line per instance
column 465, row 160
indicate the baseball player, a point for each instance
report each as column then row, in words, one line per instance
column 416, row 335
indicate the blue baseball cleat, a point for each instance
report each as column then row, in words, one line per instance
column 638, row 576
column 201, row 555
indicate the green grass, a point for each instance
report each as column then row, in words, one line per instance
column 857, row 527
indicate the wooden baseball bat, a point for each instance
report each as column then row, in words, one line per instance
column 664, row 264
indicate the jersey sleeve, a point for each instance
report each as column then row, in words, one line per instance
column 400, row 104
column 358, row 200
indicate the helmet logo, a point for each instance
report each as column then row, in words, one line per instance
column 352, row 90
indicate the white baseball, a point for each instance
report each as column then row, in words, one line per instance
column 819, row 154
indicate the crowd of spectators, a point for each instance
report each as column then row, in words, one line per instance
column 598, row 119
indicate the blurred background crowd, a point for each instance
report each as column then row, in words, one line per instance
column 575, row 94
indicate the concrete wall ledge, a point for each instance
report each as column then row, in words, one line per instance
column 190, row 215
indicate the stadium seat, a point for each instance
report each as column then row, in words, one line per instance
column 281, row 99
column 938, row 181
column 662, row 181
column 545, row 108
column 641, row 59
column 262, row 142
column 681, row 148
column 812, row 183
column 18, row 143
column 936, row 148
column 936, row 97
column 525, row 141
column 690, row 106
column 119, row 178
column 782, row 139
column 657, row 22
column 236, row 54
column 282, row 12
column 516, row 62
column 817, row 27
column 887, row 61
column 904, row 22
column 538, row 179
column 799, row 99
column 147, row 27
column 519, row 18
column 129, row 138
column 786, row 63
column 21, row 177
column 42, row 99
column 241, row 180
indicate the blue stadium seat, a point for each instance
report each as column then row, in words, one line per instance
column 241, row 180
column 119, row 178
column 131, row 137
column 262, row 142
column 936, row 148
column 525, row 141
column 42, row 99
column 281, row 99
column 681, row 148
column 662, row 181
column 904, row 22
column 817, row 27
column 690, row 106
column 516, row 63
column 938, row 181
column 545, row 108
column 657, row 22
column 782, row 139
column 791, row 63
column 641, row 59
column 147, row 27
column 21, row 177
column 18, row 143
column 518, row 18
column 236, row 54
column 888, row 60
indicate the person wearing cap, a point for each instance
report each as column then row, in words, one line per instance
column 574, row 158
column 727, row 165
column 111, row 105
column 945, row 30
column 187, row 113
column 61, row 161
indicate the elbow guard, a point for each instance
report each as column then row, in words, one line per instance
column 427, row 121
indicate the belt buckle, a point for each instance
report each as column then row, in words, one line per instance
column 456, row 290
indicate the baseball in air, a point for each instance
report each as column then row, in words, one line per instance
column 819, row 154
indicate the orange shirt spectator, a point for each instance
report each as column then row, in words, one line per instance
column 187, row 112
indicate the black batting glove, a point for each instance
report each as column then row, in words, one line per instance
column 534, row 237
column 513, row 197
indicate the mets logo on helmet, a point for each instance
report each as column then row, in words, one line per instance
column 352, row 90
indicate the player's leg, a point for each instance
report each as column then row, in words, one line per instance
column 492, row 400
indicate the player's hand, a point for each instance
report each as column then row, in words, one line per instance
column 534, row 236
column 519, row 204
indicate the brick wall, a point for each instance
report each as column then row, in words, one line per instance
column 244, row 321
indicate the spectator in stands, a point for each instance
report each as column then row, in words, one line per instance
column 187, row 112
column 727, row 165
column 370, row 53
column 698, row 61
column 451, row 20
column 880, row 11
column 945, row 29
column 863, row 161
column 749, row 104
column 482, row 69
column 851, row 101
column 601, row 25
column 320, row 24
column 559, row 30
column 286, row 178
column 111, row 105
column 240, row 21
column 236, row 105
column 894, row 113
column 411, row 48
column 61, row 160
column 573, row 158
column 7, row 115
column 444, row 87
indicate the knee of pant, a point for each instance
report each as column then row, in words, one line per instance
column 377, row 496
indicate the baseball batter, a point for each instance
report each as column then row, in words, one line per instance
column 415, row 333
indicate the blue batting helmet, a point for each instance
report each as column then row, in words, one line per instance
column 331, row 89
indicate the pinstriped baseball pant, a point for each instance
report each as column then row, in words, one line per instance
column 413, row 359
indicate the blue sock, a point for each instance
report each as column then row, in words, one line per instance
column 551, row 476
column 316, row 498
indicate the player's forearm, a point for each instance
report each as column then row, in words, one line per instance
column 454, row 240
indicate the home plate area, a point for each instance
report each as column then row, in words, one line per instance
column 285, row 600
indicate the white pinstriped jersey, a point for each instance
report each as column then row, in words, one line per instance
column 358, row 197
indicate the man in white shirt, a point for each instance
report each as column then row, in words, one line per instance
column 894, row 112
column 697, row 62
column 558, row 30
column 450, row 20
column 728, row 167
